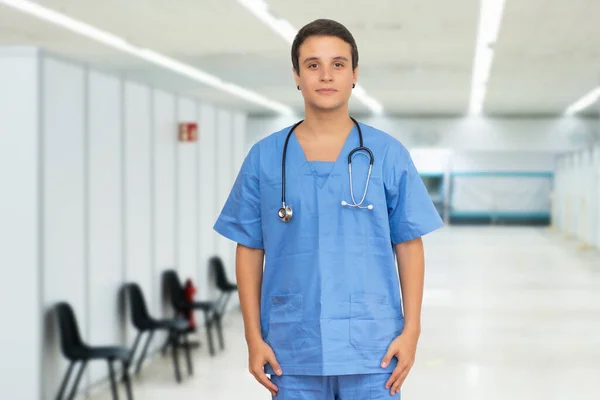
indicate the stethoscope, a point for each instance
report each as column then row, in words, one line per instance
column 285, row 212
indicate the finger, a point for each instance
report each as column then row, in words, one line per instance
column 395, row 375
column 275, row 365
column 401, row 368
column 264, row 380
column 398, row 384
column 385, row 361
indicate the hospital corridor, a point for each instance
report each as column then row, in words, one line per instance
column 196, row 194
column 492, row 328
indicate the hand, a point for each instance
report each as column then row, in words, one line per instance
column 261, row 353
column 404, row 347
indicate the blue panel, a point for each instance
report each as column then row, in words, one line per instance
column 533, row 174
column 506, row 215
column 431, row 174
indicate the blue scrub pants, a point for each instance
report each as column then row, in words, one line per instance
column 341, row 387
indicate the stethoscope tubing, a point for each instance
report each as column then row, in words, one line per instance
column 350, row 155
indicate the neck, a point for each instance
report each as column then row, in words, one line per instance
column 333, row 123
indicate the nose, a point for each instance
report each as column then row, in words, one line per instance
column 326, row 75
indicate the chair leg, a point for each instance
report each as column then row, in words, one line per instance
column 77, row 380
column 165, row 346
column 65, row 380
column 219, row 330
column 221, row 304
column 208, row 326
column 175, row 353
column 225, row 303
column 143, row 355
column 220, row 300
column 134, row 348
column 187, row 354
column 127, row 380
column 113, row 383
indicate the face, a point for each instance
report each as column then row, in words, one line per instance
column 326, row 75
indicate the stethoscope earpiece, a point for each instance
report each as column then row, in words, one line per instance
column 345, row 204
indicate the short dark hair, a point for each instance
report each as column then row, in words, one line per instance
column 323, row 27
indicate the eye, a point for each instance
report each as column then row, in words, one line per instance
column 312, row 65
column 339, row 64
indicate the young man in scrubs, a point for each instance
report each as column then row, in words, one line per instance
column 331, row 299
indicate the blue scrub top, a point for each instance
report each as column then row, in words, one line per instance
column 330, row 297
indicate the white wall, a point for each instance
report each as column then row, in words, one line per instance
column 223, row 170
column 20, row 251
column 104, row 202
column 64, row 219
column 596, row 194
column 576, row 207
column 111, row 197
column 137, row 193
column 164, row 187
column 490, row 160
column 207, row 201
column 186, row 177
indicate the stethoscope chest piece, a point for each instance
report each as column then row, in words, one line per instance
column 285, row 213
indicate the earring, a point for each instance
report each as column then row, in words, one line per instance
column 298, row 87
column 353, row 85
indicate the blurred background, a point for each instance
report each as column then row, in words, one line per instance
column 123, row 125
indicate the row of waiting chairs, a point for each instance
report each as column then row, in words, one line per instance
column 77, row 351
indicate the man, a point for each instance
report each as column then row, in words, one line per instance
column 325, row 319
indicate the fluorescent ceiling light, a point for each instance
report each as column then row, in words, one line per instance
column 490, row 16
column 118, row 43
column 282, row 27
column 586, row 101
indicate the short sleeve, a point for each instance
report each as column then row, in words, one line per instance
column 240, row 219
column 411, row 211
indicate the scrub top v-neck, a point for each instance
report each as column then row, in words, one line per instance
column 330, row 294
column 321, row 171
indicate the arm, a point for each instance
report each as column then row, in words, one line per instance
column 411, row 268
column 249, row 273
column 240, row 221
column 412, row 215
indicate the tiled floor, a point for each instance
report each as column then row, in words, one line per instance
column 509, row 313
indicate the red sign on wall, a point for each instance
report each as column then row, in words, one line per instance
column 188, row 131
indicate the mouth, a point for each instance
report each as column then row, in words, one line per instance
column 326, row 91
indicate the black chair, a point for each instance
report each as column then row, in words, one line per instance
column 75, row 350
column 225, row 287
column 182, row 306
column 177, row 328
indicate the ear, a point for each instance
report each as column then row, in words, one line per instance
column 355, row 74
column 296, row 76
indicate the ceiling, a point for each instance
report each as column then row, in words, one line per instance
column 416, row 56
